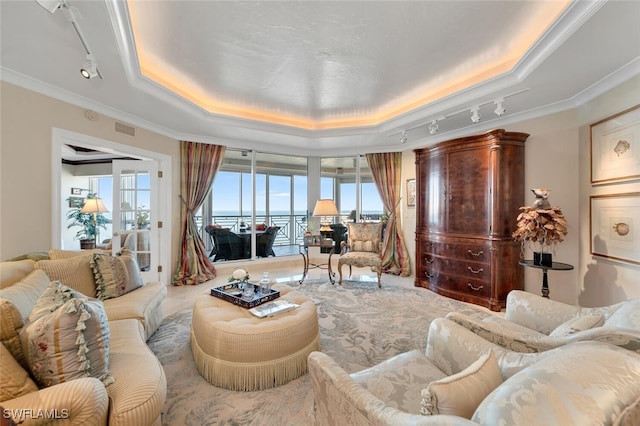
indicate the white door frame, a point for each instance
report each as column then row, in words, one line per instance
column 60, row 137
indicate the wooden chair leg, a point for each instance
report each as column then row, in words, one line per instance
column 379, row 270
column 340, row 271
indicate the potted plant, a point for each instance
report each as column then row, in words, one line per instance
column 88, row 225
column 541, row 226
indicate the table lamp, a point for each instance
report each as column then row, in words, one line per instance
column 324, row 208
column 95, row 206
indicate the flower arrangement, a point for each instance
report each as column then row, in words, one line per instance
column 540, row 223
column 239, row 275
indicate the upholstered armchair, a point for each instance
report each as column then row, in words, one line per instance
column 363, row 248
column 462, row 379
column 534, row 324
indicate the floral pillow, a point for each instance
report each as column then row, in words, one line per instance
column 62, row 342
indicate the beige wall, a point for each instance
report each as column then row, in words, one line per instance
column 603, row 281
column 25, row 165
column 557, row 157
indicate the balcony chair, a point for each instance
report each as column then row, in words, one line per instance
column 534, row 324
column 462, row 379
column 363, row 248
column 228, row 245
column 264, row 242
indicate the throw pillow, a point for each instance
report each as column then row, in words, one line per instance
column 51, row 298
column 15, row 380
column 577, row 324
column 461, row 393
column 12, row 272
column 368, row 246
column 115, row 275
column 69, row 343
column 74, row 272
column 16, row 302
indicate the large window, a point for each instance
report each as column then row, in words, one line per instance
column 349, row 182
column 254, row 188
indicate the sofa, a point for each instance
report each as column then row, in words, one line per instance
column 132, row 388
column 533, row 323
column 462, row 379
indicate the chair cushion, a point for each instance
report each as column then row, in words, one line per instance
column 461, row 393
column 399, row 380
column 68, row 342
column 15, row 379
column 577, row 324
column 360, row 258
column 74, row 272
column 115, row 275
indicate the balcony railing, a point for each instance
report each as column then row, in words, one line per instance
column 292, row 227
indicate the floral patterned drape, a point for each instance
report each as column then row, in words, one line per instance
column 199, row 165
column 386, row 170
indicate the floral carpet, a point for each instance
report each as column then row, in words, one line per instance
column 360, row 326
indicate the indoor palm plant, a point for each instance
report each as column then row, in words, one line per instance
column 540, row 226
column 88, row 225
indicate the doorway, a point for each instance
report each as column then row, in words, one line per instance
column 60, row 138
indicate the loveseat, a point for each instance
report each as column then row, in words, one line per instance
column 533, row 323
column 132, row 390
column 462, row 379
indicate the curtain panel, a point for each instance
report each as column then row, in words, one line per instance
column 199, row 165
column 386, row 168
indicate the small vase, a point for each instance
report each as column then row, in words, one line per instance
column 542, row 259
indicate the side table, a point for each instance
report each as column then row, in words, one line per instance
column 304, row 251
column 555, row 266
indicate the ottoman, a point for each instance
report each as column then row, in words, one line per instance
column 236, row 350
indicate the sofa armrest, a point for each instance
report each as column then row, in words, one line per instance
column 536, row 312
column 78, row 402
column 340, row 400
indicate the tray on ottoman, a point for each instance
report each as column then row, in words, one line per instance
column 233, row 293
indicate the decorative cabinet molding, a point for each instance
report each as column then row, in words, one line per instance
column 468, row 192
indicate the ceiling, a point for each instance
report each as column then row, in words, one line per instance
column 321, row 77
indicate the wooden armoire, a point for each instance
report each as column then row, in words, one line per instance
column 468, row 194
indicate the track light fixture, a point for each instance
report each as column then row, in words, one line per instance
column 403, row 136
column 475, row 114
column 433, row 127
column 90, row 68
column 499, row 111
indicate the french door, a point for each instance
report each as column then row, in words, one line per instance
column 135, row 213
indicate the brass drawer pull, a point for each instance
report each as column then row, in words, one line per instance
column 427, row 260
column 428, row 275
column 475, row 288
column 475, row 271
column 480, row 253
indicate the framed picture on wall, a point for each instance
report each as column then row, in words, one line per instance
column 411, row 192
column 615, row 226
column 615, row 147
column 76, row 202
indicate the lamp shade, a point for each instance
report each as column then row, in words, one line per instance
column 94, row 205
column 325, row 208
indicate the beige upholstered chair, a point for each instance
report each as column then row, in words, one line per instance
column 535, row 324
column 363, row 248
column 581, row 383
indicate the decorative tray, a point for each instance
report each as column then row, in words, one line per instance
column 233, row 293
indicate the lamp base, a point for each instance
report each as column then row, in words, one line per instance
column 325, row 228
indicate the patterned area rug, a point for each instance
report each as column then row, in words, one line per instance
column 360, row 326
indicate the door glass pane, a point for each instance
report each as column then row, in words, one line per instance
column 135, row 215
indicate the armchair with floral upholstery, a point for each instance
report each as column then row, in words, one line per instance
column 462, row 379
column 535, row 324
column 363, row 248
